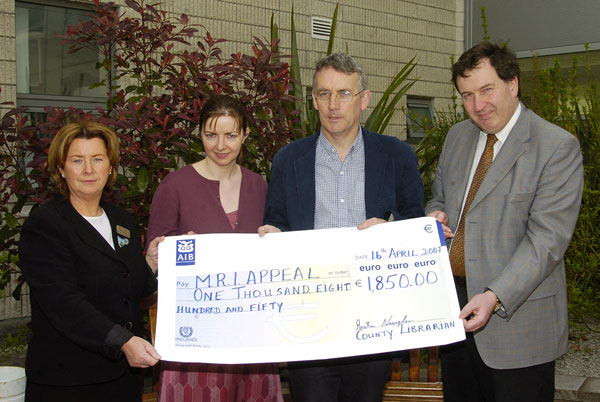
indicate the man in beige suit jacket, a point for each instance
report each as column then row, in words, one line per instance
column 516, row 231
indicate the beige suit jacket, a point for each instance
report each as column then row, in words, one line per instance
column 516, row 233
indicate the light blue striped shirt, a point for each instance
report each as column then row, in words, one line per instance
column 339, row 186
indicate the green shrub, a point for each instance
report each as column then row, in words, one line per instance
column 155, row 116
column 583, row 260
column 430, row 147
column 559, row 99
column 14, row 343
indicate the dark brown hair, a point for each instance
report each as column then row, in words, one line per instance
column 501, row 58
column 224, row 105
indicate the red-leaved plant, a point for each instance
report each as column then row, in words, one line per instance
column 154, row 95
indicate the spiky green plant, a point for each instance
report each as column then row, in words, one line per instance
column 383, row 112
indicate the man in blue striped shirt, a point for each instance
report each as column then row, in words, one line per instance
column 341, row 176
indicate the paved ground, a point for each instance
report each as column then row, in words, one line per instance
column 577, row 373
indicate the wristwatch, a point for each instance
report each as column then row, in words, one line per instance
column 498, row 305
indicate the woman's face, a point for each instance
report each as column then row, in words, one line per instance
column 87, row 168
column 222, row 140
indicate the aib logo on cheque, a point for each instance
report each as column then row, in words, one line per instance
column 186, row 252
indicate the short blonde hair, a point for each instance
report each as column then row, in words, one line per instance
column 87, row 129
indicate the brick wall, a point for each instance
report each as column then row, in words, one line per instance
column 8, row 75
column 381, row 34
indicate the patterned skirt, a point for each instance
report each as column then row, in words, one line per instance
column 189, row 382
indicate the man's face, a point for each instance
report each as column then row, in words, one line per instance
column 489, row 101
column 339, row 119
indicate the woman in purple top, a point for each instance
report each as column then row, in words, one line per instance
column 214, row 195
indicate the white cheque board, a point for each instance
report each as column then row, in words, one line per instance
column 305, row 295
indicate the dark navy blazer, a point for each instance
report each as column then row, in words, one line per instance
column 393, row 184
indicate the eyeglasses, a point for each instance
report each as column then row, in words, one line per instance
column 344, row 96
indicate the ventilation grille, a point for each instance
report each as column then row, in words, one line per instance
column 321, row 28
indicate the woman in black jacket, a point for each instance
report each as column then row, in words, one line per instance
column 84, row 266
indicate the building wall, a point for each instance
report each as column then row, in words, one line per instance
column 11, row 308
column 559, row 27
column 382, row 35
column 562, row 30
column 8, row 72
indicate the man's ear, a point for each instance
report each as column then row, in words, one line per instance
column 514, row 87
column 364, row 99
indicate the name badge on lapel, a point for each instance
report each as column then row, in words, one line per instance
column 123, row 235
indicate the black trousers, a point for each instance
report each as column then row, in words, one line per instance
column 353, row 379
column 466, row 378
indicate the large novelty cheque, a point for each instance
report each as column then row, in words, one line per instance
column 305, row 295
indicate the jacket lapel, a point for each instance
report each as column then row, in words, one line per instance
column 122, row 235
column 86, row 232
column 465, row 164
column 375, row 162
column 304, row 169
column 512, row 149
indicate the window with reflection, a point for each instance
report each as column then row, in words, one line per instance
column 419, row 115
column 46, row 74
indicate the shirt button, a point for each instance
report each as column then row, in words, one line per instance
column 342, row 200
column 341, row 173
column 128, row 325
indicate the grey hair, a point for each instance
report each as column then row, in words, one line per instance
column 343, row 63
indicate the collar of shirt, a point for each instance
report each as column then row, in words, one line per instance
column 328, row 147
column 339, row 185
column 502, row 135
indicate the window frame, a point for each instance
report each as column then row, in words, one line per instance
column 421, row 103
column 37, row 102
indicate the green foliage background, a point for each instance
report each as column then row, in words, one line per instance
column 558, row 98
